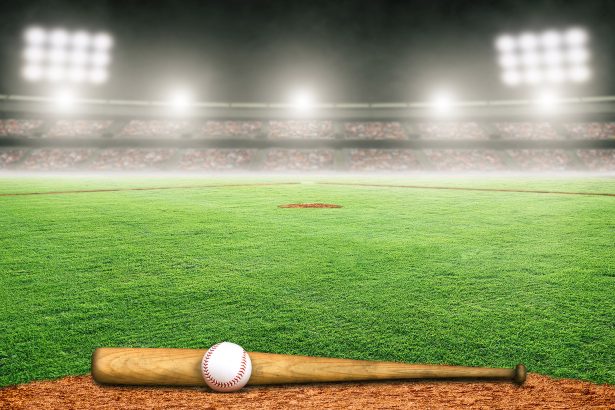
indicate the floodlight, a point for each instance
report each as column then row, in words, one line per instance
column 78, row 57
column 180, row 100
column 551, row 56
column 57, row 56
column 81, row 39
column 550, row 39
column 528, row 41
column 555, row 75
column 98, row 75
column 34, row 54
column 33, row 72
column 576, row 37
column 103, row 41
column 505, row 43
column 530, row 59
column 577, row 55
column 579, row 74
column 58, row 37
column 64, row 99
column 55, row 73
column 61, row 55
column 511, row 77
column 509, row 60
column 303, row 100
column 35, row 36
column 100, row 59
column 442, row 102
column 533, row 76
column 76, row 74
column 546, row 100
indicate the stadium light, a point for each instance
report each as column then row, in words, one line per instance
column 302, row 101
column 64, row 99
column 180, row 100
column 442, row 103
column 61, row 56
column 546, row 100
column 550, row 57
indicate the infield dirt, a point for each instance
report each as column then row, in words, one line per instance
column 539, row 392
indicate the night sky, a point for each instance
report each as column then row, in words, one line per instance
column 342, row 50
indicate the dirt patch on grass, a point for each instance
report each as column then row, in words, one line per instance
column 315, row 205
column 539, row 392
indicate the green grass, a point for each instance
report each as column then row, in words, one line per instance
column 465, row 278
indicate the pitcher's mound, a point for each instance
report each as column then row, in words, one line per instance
column 309, row 206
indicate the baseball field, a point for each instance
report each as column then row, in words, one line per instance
column 474, row 276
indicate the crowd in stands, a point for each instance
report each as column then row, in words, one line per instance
column 383, row 160
column 298, row 160
column 452, row 131
column 215, row 159
column 597, row 159
column 56, row 159
column 591, row 130
column 541, row 159
column 232, row 129
column 130, row 159
column 155, row 129
column 10, row 157
column 527, row 131
column 445, row 160
column 456, row 160
column 301, row 130
column 374, row 130
column 18, row 128
column 79, row 128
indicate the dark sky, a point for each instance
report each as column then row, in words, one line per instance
column 255, row 50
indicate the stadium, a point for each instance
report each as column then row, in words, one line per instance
column 468, row 221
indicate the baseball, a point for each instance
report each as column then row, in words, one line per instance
column 226, row 367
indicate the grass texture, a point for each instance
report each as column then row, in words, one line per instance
column 414, row 275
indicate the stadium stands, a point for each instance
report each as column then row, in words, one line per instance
column 597, row 159
column 230, row 129
column 591, row 130
column 10, row 157
column 130, row 159
column 452, row 131
column 78, row 128
column 298, row 160
column 348, row 145
column 18, row 128
column 374, row 130
column 527, row 130
column 541, row 159
column 56, row 159
column 453, row 160
column 383, row 160
column 154, row 129
column 301, row 130
column 215, row 159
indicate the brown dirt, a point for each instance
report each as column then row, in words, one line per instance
column 80, row 392
column 316, row 205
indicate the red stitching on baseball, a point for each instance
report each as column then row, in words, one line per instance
column 234, row 380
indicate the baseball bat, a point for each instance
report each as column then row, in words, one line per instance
column 182, row 367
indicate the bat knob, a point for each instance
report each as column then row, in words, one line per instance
column 520, row 374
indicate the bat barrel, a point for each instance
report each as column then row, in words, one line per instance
column 181, row 367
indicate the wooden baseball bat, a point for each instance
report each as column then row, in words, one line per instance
column 182, row 367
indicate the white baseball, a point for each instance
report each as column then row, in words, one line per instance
column 226, row 367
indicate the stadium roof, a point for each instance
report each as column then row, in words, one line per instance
column 360, row 50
